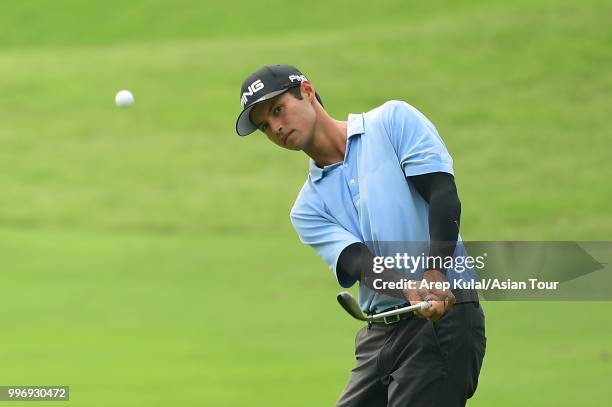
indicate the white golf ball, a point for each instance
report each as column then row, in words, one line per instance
column 124, row 98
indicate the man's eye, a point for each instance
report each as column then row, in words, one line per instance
column 278, row 109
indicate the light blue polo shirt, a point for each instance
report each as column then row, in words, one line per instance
column 366, row 197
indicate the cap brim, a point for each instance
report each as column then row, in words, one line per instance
column 244, row 126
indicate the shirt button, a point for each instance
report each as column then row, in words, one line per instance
column 352, row 181
column 345, row 165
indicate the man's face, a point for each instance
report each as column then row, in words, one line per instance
column 286, row 120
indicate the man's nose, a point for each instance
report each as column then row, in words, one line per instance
column 277, row 127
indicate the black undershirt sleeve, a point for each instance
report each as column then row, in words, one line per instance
column 357, row 261
column 438, row 189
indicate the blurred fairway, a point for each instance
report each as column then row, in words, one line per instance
column 147, row 256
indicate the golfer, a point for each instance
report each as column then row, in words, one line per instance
column 381, row 176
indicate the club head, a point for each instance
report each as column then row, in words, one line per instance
column 346, row 300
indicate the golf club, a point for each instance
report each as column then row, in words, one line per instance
column 348, row 302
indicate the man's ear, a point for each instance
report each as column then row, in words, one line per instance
column 307, row 91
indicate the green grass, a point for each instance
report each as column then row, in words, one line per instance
column 516, row 98
column 134, row 242
column 135, row 319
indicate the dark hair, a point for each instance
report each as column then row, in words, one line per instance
column 295, row 91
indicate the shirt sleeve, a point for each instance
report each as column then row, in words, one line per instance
column 319, row 230
column 416, row 141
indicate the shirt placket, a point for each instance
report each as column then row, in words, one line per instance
column 351, row 177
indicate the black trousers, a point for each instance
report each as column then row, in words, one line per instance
column 418, row 363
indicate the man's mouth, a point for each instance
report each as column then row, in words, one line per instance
column 286, row 136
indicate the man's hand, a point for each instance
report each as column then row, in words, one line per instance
column 441, row 300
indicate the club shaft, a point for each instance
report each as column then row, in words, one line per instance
column 403, row 310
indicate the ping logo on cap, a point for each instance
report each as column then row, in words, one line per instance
column 251, row 89
column 299, row 78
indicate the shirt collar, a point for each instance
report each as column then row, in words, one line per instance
column 354, row 127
